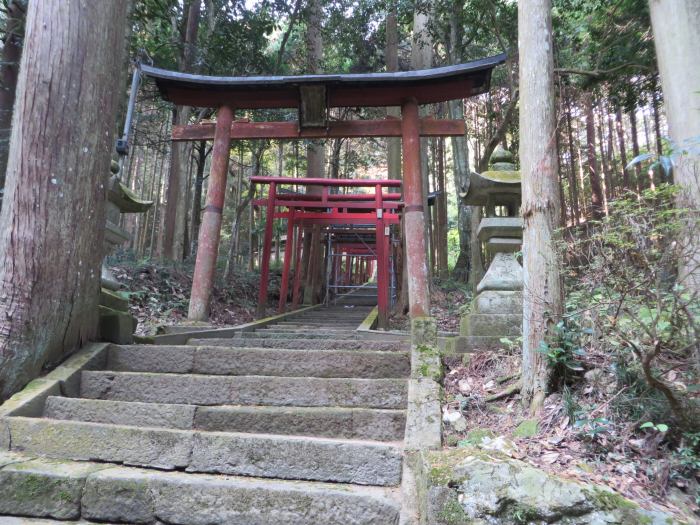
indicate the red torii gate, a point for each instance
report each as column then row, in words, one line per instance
column 314, row 95
column 378, row 209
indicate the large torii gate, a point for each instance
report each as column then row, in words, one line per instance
column 313, row 96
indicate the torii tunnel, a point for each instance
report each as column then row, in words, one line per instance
column 313, row 96
column 356, row 213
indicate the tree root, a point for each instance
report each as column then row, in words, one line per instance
column 511, row 390
column 505, row 379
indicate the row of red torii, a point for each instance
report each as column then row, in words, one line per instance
column 313, row 96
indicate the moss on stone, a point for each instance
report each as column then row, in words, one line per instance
column 512, row 177
column 452, row 513
column 476, row 436
column 608, row 500
column 526, row 429
column 522, row 514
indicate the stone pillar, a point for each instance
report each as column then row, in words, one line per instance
column 496, row 311
column 117, row 325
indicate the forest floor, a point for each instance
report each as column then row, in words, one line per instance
column 447, row 299
column 585, row 431
column 159, row 294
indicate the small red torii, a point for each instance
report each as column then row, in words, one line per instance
column 377, row 208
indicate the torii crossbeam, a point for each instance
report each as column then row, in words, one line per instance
column 313, row 96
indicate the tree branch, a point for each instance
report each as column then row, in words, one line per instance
column 499, row 134
column 597, row 73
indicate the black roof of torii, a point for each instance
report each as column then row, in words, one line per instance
column 343, row 90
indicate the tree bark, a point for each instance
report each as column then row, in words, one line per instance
column 619, row 126
column 421, row 58
column 543, row 297
column 9, row 70
column 597, row 199
column 675, row 24
column 176, row 205
column 635, row 149
column 54, row 213
column 315, row 152
column 466, row 262
column 573, row 159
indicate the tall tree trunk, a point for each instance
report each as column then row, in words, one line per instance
column 612, row 160
column 635, row 149
column 315, row 152
column 9, row 70
column 176, row 205
column 421, row 58
column 604, row 168
column 57, row 172
column 597, row 199
column 619, row 126
column 201, row 149
column 466, row 266
column 657, row 121
column 677, row 40
column 543, row 297
column 573, row 159
column 441, row 210
column 394, row 153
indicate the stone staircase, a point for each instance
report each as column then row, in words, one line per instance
column 299, row 422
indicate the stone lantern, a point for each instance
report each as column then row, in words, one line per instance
column 117, row 325
column 496, row 311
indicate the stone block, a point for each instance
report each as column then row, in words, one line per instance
column 159, row 448
column 120, row 495
column 244, row 390
column 300, row 363
column 492, row 325
column 179, row 417
column 114, row 300
column 44, row 488
column 128, row 495
column 345, row 423
column 296, row 458
column 152, row 358
column 303, row 344
column 504, row 273
column 30, row 400
column 116, row 327
column 93, row 356
column 424, row 424
column 498, row 302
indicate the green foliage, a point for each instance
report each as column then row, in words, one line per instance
column 564, row 350
column 627, row 285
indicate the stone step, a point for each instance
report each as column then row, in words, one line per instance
column 331, row 422
column 303, row 344
column 301, row 329
column 66, row 490
column 259, row 455
column 339, row 335
column 310, row 334
column 319, row 323
column 215, row 360
column 243, row 390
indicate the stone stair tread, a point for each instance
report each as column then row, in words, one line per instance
column 329, row 422
column 303, row 344
column 200, row 389
column 107, row 493
column 259, row 455
column 189, row 359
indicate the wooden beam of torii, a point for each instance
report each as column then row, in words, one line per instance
column 313, row 96
column 390, row 127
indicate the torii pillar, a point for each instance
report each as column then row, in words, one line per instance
column 413, row 213
column 210, row 230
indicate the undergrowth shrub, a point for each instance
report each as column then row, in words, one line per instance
column 625, row 287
